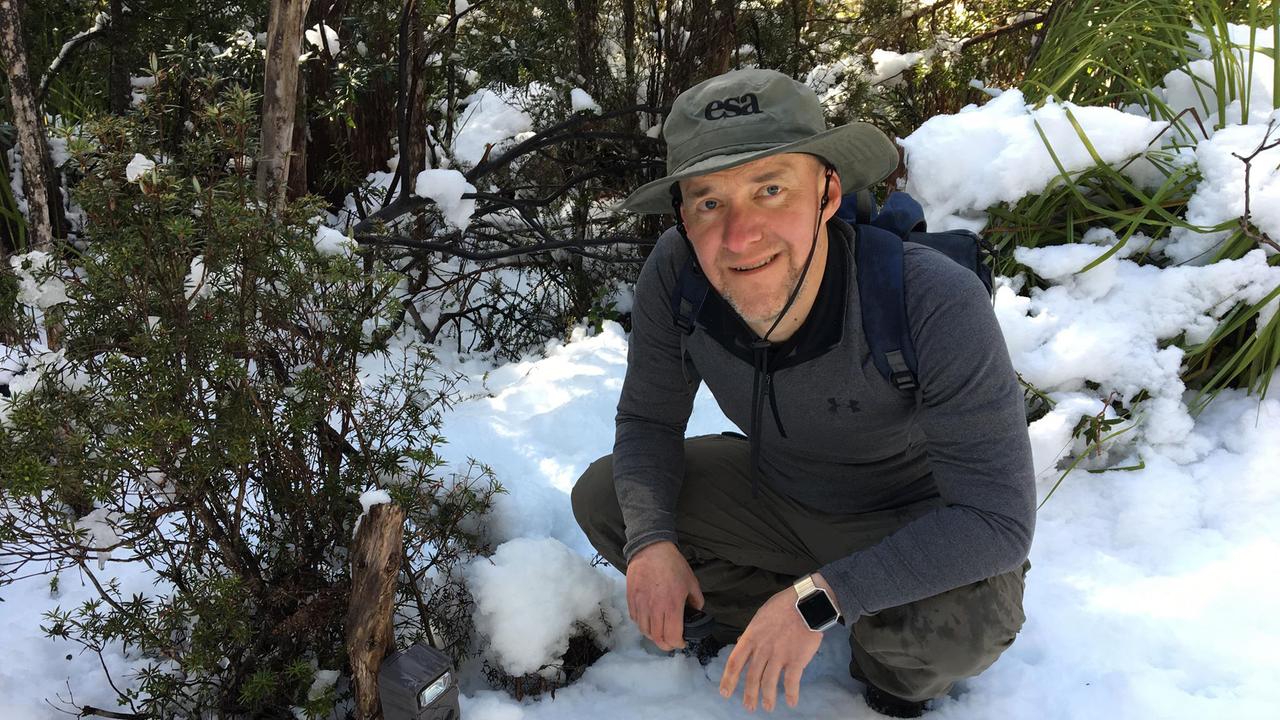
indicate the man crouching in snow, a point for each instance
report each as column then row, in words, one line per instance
column 907, row 516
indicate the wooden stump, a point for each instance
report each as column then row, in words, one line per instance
column 375, row 563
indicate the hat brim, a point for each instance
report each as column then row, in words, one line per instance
column 860, row 152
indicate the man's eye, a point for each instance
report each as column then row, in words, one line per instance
column 773, row 190
column 710, row 204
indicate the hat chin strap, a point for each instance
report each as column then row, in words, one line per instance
column 813, row 246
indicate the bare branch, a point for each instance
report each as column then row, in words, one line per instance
column 454, row 250
column 101, row 25
column 1034, row 19
column 1245, row 225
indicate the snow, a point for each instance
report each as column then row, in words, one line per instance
column 329, row 241
column 43, row 291
column 100, row 533
column 1107, row 325
column 446, row 188
column 490, row 118
column 140, row 165
column 889, row 66
column 582, row 102
column 321, row 36
column 562, row 591
column 1197, row 85
column 959, row 165
column 1149, row 595
column 369, row 498
column 1220, row 197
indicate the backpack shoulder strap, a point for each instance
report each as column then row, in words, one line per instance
column 688, row 295
column 878, row 256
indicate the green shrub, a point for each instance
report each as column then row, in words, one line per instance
column 224, row 391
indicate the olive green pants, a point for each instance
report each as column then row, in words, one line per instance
column 744, row 549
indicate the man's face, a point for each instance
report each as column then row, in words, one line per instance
column 751, row 227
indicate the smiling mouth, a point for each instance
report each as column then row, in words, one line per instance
column 752, row 268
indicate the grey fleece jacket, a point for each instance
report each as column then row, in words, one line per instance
column 965, row 440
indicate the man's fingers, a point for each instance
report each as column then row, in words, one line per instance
column 695, row 596
column 659, row 635
column 673, row 623
column 733, row 668
column 791, row 683
column 751, row 687
column 769, row 686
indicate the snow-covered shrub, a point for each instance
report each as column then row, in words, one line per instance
column 544, row 611
column 226, row 383
column 530, row 594
column 1133, row 219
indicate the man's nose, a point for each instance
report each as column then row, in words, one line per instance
column 741, row 228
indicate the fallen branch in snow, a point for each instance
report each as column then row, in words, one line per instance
column 1249, row 230
column 101, row 24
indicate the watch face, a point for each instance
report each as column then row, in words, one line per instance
column 817, row 609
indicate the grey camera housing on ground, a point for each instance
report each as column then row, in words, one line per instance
column 405, row 676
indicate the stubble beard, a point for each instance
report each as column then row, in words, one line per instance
column 765, row 313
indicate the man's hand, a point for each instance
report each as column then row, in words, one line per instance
column 776, row 644
column 659, row 582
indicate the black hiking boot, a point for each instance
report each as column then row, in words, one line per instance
column 892, row 705
column 699, row 638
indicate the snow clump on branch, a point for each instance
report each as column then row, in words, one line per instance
column 446, row 188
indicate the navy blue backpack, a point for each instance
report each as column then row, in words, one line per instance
column 878, row 257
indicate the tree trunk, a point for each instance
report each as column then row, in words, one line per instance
column 119, row 91
column 587, row 34
column 37, row 168
column 375, row 564
column 629, row 44
column 708, row 50
column 298, row 149
column 280, row 98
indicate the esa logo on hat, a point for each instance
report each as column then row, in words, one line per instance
column 748, row 104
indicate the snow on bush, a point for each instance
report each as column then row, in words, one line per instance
column 1220, row 195
column 446, row 188
column 1106, row 325
column 140, row 165
column 582, row 102
column 36, row 288
column 490, row 118
column 333, row 242
column 99, row 528
column 1196, row 86
column 959, row 165
column 322, row 35
column 532, row 596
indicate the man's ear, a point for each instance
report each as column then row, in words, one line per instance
column 831, row 198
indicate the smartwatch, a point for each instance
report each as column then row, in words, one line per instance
column 815, row 605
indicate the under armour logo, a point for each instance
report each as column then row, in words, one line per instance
column 835, row 405
column 748, row 104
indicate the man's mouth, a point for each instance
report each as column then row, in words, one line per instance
column 753, row 266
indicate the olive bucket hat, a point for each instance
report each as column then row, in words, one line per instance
column 744, row 115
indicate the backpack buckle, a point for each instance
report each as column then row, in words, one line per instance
column 904, row 380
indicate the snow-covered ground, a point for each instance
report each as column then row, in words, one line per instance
column 1152, row 594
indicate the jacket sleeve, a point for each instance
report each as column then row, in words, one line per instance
column 973, row 420
column 653, row 411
